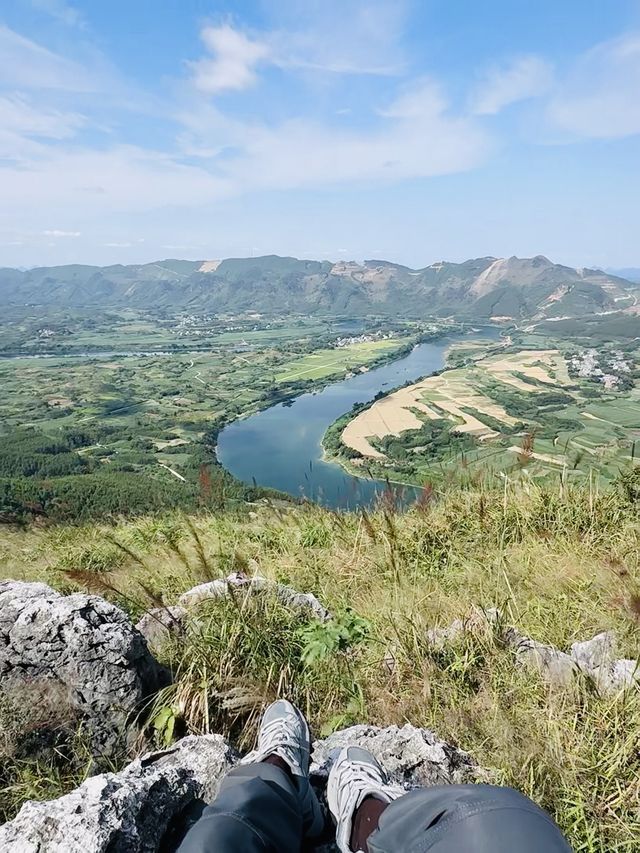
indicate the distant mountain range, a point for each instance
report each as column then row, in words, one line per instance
column 515, row 288
column 630, row 273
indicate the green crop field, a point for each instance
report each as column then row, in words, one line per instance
column 328, row 362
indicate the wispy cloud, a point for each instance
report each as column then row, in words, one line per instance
column 20, row 115
column 367, row 41
column 523, row 78
column 600, row 97
column 63, row 12
column 56, row 232
column 28, row 65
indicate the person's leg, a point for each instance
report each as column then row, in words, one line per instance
column 266, row 805
column 257, row 810
column 473, row 818
column 376, row 817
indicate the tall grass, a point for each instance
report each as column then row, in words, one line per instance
column 562, row 564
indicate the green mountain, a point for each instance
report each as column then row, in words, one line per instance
column 512, row 287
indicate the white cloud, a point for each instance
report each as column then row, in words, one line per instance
column 600, row 97
column 233, row 60
column 118, row 245
column 180, row 247
column 366, row 43
column 55, row 232
column 525, row 77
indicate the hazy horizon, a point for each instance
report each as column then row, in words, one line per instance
column 611, row 270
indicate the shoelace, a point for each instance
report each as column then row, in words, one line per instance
column 355, row 775
column 277, row 731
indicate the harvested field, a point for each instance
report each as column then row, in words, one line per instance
column 435, row 397
column 534, row 364
column 449, row 394
column 389, row 416
column 494, row 400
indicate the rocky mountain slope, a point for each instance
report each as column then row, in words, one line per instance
column 483, row 287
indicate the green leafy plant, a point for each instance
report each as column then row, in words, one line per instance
column 322, row 639
column 164, row 724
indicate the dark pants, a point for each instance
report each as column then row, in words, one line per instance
column 257, row 811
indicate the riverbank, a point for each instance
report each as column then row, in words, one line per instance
column 86, row 436
column 515, row 412
column 282, row 446
column 360, row 456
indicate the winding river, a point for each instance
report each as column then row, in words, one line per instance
column 281, row 447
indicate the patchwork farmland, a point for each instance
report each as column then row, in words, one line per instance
column 520, row 413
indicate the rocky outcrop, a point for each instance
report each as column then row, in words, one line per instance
column 303, row 602
column 412, row 757
column 83, row 643
column 127, row 812
column 162, row 623
column 596, row 658
column 555, row 666
column 147, row 806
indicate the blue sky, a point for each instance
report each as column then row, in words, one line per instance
column 413, row 130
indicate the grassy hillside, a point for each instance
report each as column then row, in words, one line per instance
column 561, row 564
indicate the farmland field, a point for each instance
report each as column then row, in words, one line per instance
column 516, row 412
column 89, row 403
column 327, row 362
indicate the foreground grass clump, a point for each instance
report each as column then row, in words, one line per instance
column 243, row 653
column 43, row 748
column 561, row 564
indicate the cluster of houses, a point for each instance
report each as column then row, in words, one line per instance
column 605, row 367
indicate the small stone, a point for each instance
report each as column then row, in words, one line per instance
column 438, row 638
column 555, row 666
column 625, row 674
column 160, row 624
column 593, row 654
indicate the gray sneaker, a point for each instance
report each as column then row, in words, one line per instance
column 355, row 775
column 284, row 732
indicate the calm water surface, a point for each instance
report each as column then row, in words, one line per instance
column 281, row 446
